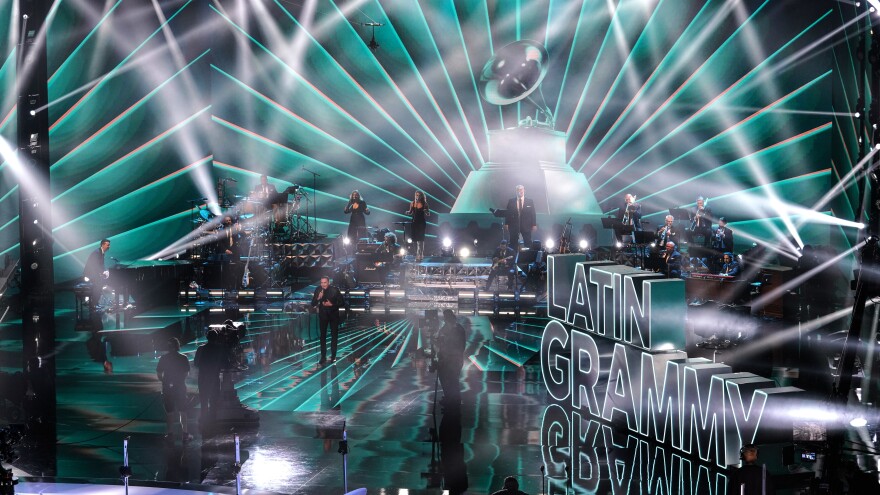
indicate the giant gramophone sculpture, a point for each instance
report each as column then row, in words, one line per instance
column 533, row 153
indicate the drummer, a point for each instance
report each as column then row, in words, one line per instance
column 265, row 192
column 267, row 195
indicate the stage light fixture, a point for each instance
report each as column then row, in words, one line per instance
column 858, row 422
column 464, row 252
column 447, row 242
column 549, row 243
column 346, row 241
column 409, row 240
column 583, row 244
column 402, row 251
column 619, row 244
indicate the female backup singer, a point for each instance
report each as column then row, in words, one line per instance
column 419, row 211
column 358, row 208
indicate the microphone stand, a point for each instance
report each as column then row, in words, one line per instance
column 315, row 176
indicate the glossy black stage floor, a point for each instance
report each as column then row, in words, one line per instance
column 383, row 391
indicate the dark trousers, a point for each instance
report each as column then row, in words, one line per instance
column 209, row 395
column 450, row 380
column 526, row 233
column 328, row 318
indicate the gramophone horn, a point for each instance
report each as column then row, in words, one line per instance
column 514, row 72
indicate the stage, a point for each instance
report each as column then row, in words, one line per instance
column 381, row 390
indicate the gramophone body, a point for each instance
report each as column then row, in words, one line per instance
column 535, row 158
column 531, row 155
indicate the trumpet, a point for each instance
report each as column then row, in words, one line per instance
column 697, row 218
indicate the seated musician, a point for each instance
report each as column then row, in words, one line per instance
column 729, row 265
column 671, row 266
column 271, row 199
column 388, row 255
column 502, row 263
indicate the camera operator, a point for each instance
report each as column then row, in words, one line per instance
column 451, row 358
column 211, row 358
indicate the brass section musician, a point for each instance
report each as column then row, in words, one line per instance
column 629, row 215
column 701, row 223
column 668, row 232
column 722, row 239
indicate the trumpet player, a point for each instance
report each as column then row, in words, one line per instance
column 701, row 223
column 667, row 232
column 629, row 215
column 722, row 240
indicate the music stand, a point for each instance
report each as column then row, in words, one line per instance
column 498, row 212
column 644, row 236
column 680, row 213
column 609, row 222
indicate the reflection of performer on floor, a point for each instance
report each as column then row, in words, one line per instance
column 95, row 272
column 419, row 211
column 671, row 258
column 327, row 300
column 502, row 264
column 520, row 218
column 450, row 358
column 357, row 224
column 701, row 223
column 629, row 215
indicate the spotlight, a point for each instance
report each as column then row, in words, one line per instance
column 857, row 115
column 858, row 422
column 402, row 251
column 447, row 242
column 620, row 244
column 653, row 244
column 409, row 240
column 36, row 221
column 548, row 244
column 583, row 244
column 346, row 241
column 33, row 112
column 464, row 252
column 476, row 242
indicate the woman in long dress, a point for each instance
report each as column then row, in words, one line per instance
column 357, row 207
column 419, row 211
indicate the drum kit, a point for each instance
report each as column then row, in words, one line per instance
column 261, row 219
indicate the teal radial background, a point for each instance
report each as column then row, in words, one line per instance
column 746, row 102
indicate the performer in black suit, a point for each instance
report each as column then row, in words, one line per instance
column 667, row 232
column 729, row 265
column 419, row 211
column 723, row 238
column 357, row 207
column 95, row 272
column 671, row 261
column 629, row 215
column 327, row 300
column 520, row 218
column 701, row 223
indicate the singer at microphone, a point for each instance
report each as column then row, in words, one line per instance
column 357, row 208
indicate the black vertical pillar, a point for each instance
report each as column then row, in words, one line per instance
column 35, row 220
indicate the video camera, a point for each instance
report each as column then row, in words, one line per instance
column 229, row 335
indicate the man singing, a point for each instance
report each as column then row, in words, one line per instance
column 326, row 300
column 520, row 218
